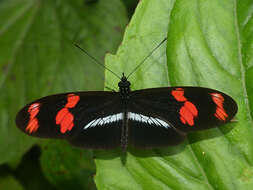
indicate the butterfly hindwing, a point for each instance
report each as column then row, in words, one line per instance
column 148, row 131
column 68, row 115
column 102, row 132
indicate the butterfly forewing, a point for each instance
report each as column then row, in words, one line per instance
column 86, row 119
column 185, row 108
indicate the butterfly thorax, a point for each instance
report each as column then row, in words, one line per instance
column 124, row 89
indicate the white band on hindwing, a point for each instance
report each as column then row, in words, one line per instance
column 131, row 116
column 105, row 120
column 147, row 120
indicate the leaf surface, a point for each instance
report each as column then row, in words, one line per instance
column 210, row 45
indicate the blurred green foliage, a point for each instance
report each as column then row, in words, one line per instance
column 209, row 44
column 37, row 57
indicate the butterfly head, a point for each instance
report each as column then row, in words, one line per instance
column 124, row 86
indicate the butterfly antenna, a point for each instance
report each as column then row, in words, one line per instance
column 137, row 67
column 96, row 61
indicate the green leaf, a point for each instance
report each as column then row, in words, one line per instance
column 209, row 44
column 68, row 167
column 10, row 183
column 38, row 57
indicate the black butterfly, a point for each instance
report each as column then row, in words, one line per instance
column 143, row 118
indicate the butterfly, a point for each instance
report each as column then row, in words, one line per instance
column 143, row 118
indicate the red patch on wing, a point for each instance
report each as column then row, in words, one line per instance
column 220, row 113
column 33, row 123
column 64, row 118
column 188, row 112
column 178, row 94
